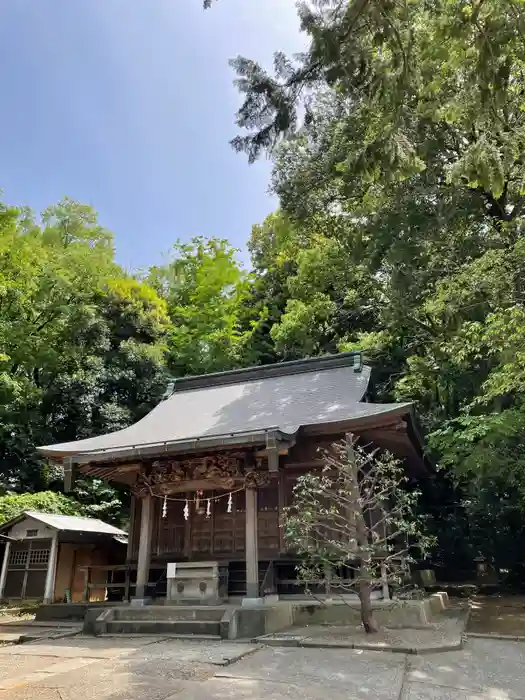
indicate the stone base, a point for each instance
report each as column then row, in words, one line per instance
column 388, row 613
column 266, row 600
column 201, row 581
column 139, row 602
column 252, row 602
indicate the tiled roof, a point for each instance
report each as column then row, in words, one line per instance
column 281, row 397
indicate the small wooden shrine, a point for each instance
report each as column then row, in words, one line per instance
column 212, row 467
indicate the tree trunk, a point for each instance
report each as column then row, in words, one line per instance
column 367, row 614
column 362, row 537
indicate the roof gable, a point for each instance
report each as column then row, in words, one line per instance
column 66, row 523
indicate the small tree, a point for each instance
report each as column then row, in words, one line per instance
column 356, row 514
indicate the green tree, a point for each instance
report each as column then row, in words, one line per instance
column 398, row 139
column 14, row 504
column 205, row 290
column 81, row 343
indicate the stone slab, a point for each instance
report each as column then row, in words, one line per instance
column 71, row 647
column 119, row 685
column 31, row 693
column 421, row 691
column 44, row 675
column 165, row 669
column 351, row 669
column 12, row 632
column 494, row 668
column 169, row 651
column 18, row 666
column 255, row 689
column 152, row 672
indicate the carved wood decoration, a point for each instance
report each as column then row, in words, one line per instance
column 255, row 479
column 227, row 470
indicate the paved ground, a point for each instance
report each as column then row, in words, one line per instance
column 150, row 668
column 498, row 615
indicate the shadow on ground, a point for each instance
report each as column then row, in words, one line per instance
column 87, row 668
column 497, row 615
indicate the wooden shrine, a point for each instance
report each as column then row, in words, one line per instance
column 212, row 468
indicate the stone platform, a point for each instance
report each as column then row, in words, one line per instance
column 213, row 622
column 447, row 634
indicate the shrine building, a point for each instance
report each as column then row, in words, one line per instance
column 212, row 467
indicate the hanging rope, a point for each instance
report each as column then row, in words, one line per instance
column 196, row 499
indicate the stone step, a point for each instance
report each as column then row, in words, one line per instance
column 170, row 613
column 170, row 635
column 191, row 628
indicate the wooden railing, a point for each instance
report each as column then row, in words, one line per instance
column 90, row 585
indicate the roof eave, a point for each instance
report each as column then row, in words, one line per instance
column 361, row 422
column 174, row 447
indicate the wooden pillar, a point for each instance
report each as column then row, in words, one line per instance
column 127, row 582
column 3, row 573
column 132, row 516
column 87, row 583
column 49, row 591
column 251, row 551
column 281, row 505
column 144, row 558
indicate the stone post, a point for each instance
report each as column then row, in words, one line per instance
column 49, row 590
column 3, row 573
column 251, row 550
column 144, row 558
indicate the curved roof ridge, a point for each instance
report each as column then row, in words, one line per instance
column 279, row 369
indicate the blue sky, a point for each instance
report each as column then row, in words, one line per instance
column 128, row 105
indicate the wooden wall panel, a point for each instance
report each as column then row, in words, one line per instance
column 170, row 538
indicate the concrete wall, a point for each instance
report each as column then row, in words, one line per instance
column 402, row 613
column 248, row 623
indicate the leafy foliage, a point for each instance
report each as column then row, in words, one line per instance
column 75, row 335
column 13, row 505
column 359, row 517
column 398, row 140
column 398, row 144
column 205, row 289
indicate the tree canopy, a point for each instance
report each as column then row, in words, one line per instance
column 399, row 162
column 398, row 147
